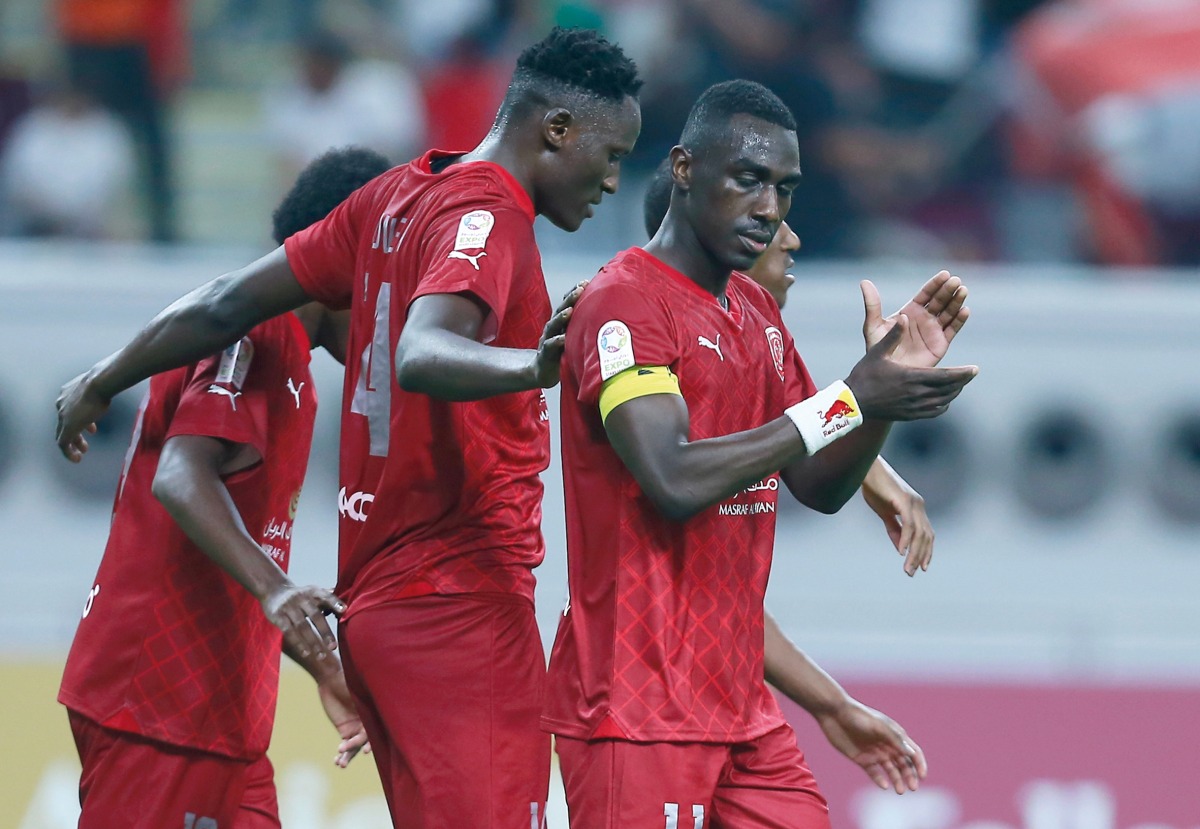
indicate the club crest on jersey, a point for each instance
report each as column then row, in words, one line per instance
column 775, row 343
column 235, row 363
column 614, row 346
column 473, row 231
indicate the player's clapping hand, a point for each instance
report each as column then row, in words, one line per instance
column 877, row 743
column 79, row 407
column 887, row 389
column 300, row 613
column 339, row 707
column 935, row 315
column 554, row 339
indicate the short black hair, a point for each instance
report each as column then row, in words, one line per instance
column 574, row 60
column 658, row 197
column 718, row 104
column 323, row 185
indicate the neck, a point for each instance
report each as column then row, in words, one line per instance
column 500, row 148
column 676, row 245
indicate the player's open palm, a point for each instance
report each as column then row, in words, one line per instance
column 79, row 407
column 935, row 315
column 877, row 744
column 300, row 613
column 554, row 339
column 339, row 707
column 887, row 389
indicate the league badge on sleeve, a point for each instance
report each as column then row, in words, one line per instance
column 473, row 230
column 235, row 363
column 614, row 346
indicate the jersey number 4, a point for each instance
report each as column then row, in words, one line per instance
column 373, row 390
column 671, row 810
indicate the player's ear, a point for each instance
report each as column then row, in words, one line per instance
column 555, row 126
column 681, row 167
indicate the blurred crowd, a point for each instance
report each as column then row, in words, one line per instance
column 964, row 130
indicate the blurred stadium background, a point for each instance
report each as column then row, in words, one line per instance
column 1049, row 661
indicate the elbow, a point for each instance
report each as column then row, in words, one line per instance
column 164, row 487
column 412, row 372
column 672, row 503
column 823, row 499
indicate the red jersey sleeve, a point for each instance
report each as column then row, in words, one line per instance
column 226, row 398
column 479, row 248
column 616, row 326
column 323, row 255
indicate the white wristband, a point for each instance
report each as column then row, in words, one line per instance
column 828, row 415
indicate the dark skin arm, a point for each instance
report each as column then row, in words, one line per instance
column 188, row 483
column 682, row 477
column 868, row 737
column 210, row 318
column 439, row 352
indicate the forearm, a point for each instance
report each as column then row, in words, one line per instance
column 796, row 676
column 827, row 480
column 200, row 504
column 694, row 475
column 200, row 324
column 448, row 366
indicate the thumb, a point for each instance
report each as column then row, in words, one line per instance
column 872, row 305
column 892, row 338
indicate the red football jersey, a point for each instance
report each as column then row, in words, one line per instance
column 436, row 496
column 170, row 646
column 662, row 637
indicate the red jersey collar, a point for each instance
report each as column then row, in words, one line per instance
column 735, row 309
column 519, row 194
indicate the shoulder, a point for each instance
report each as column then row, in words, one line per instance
column 621, row 280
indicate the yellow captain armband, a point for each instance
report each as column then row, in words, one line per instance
column 638, row 381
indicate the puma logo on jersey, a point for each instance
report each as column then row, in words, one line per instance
column 474, row 260
column 232, row 395
column 707, row 343
column 295, row 391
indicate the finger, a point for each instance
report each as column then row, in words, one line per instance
column 317, row 618
column 917, row 756
column 893, row 337
column 553, row 344
column 943, row 295
column 894, row 775
column 953, row 306
column 872, row 304
column 877, row 774
column 906, row 534
column 960, row 319
column 557, row 324
column 930, row 288
column 572, row 296
column 908, row 772
column 330, row 603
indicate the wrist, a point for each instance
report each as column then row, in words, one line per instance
column 830, row 414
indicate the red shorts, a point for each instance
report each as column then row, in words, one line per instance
column 450, row 691
column 760, row 784
column 129, row 780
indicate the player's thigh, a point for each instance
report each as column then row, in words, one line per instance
column 130, row 781
column 259, row 808
column 614, row 784
column 768, row 785
column 458, row 704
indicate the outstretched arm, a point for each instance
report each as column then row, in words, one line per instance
column 868, row 737
column 439, row 352
column 201, row 323
column 188, row 483
column 682, row 477
column 902, row 510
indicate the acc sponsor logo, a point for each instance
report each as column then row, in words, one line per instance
column 354, row 506
column 775, row 343
column 235, row 364
column 473, row 231
column 614, row 345
column 737, row 507
column 294, row 504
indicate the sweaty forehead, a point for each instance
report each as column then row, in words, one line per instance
column 751, row 139
column 611, row 122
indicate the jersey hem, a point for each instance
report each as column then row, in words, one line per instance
column 575, row 732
